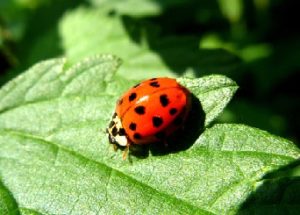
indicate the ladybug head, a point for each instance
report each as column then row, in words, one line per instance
column 116, row 132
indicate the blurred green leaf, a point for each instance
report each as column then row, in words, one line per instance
column 136, row 8
column 55, row 157
column 39, row 39
column 14, row 16
column 261, row 117
column 144, row 53
column 281, row 63
column 232, row 9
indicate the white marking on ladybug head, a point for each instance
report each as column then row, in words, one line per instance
column 121, row 140
column 114, row 133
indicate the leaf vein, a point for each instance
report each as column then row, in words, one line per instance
column 74, row 153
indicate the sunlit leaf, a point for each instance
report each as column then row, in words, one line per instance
column 55, row 157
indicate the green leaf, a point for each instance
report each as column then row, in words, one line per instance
column 255, row 115
column 214, row 92
column 55, row 157
column 144, row 53
column 7, row 202
column 136, row 8
column 237, row 159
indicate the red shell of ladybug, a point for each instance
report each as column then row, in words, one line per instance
column 149, row 112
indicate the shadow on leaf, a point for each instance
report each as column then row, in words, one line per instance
column 279, row 193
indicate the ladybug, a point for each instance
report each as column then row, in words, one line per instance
column 149, row 112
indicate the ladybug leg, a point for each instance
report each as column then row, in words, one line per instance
column 115, row 147
column 125, row 152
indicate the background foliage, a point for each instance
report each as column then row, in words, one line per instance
column 254, row 42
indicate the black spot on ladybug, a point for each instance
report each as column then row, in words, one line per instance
column 114, row 115
column 120, row 101
column 157, row 121
column 122, row 132
column 164, row 101
column 153, row 79
column 137, row 136
column 132, row 97
column 173, row 111
column 160, row 135
column 154, row 84
column 178, row 121
column 114, row 131
column 111, row 124
column 132, row 126
column 140, row 110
